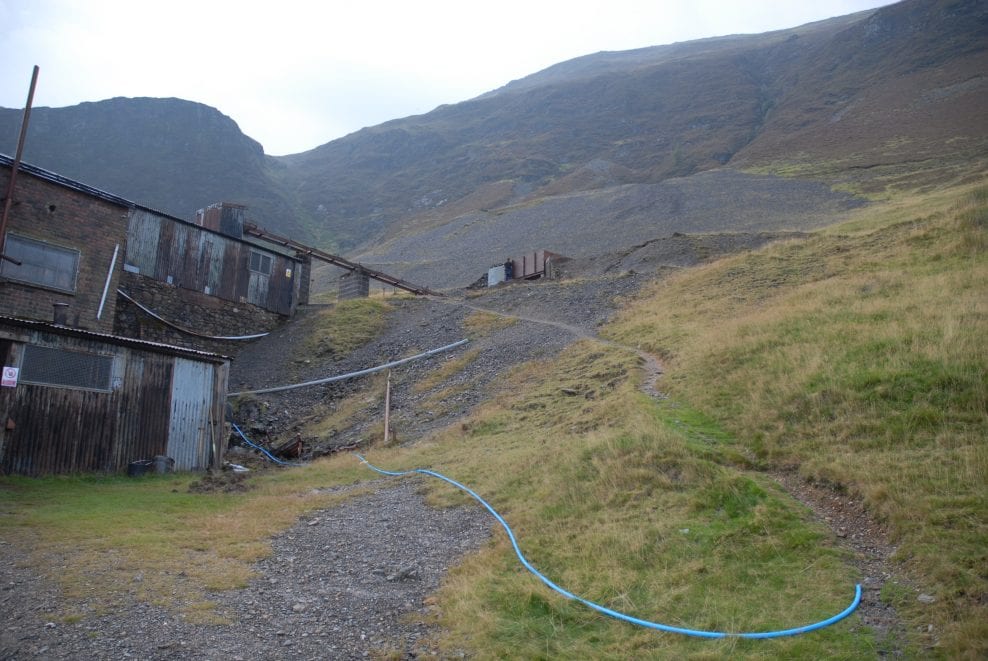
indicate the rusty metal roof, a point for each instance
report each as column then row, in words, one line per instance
column 157, row 347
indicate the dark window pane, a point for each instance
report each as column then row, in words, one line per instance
column 41, row 263
column 60, row 367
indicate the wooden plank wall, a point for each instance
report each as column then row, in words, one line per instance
column 58, row 430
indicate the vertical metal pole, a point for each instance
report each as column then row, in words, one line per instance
column 387, row 410
column 17, row 161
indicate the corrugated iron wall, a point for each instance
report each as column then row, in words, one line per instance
column 147, row 379
column 189, row 437
column 189, row 257
column 532, row 264
column 59, row 430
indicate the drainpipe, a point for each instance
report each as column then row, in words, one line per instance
column 17, row 163
column 109, row 276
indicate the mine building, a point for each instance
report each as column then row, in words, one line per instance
column 107, row 308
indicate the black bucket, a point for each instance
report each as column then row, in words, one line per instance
column 140, row 467
column 163, row 464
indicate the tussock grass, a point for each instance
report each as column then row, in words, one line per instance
column 481, row 324
column 861, row 357
column 448, row 369
column 330, row 417
column 344, row 327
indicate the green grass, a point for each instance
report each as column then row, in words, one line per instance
column 861, row 357
column 344, row 327
column 94, row 535
column 613, row 503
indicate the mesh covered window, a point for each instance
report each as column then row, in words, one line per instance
column 260, row 262
column 69, row 369
column 41, row 263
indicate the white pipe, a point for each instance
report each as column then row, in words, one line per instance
column 109, row 276
column 152, row 313
column 350, row 375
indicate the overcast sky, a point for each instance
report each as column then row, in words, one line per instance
column 295, row 74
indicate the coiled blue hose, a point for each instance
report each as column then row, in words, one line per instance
column 603, row 609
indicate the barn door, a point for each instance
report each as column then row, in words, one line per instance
column 188, row 435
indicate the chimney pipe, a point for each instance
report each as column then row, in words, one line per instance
column 60, row 315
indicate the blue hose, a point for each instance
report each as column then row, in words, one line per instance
column 258, row 447
column 613, row 613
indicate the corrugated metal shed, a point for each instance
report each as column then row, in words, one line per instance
column 94, row 402
column 224, row 217
column 532, row 264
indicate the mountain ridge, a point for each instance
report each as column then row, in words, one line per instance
column 894, row 96
column 171, row 154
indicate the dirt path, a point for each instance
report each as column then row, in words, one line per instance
column 869, row 549
column 651, row 365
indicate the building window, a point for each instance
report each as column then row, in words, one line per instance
column 41, row 263
column 260, row 263
column 46, row 366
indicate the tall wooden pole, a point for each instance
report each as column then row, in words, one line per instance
column 9, row 199
column 387, row 410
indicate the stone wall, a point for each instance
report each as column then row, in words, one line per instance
column 355, row 284
column 203, row 314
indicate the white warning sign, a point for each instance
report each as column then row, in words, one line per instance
column 9, row 377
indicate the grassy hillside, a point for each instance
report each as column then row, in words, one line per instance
column 859, row 357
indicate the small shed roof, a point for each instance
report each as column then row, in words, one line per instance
column 156, row 347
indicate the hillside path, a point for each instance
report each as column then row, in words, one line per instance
column 853, row 527
column 651, row 365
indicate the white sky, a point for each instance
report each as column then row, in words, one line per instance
column 295, row 74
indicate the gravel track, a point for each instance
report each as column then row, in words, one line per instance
column 344, row 583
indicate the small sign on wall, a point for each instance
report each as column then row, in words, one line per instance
column 9, row 377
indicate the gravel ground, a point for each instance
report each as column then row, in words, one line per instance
column 575, row 307
column 343, row 583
